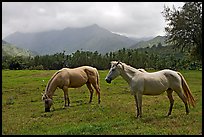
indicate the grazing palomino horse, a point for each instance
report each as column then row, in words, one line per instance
column 155, row 83
column 71, row 78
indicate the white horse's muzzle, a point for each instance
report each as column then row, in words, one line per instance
column 108, row 80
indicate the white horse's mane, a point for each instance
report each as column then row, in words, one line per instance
column 130, row 68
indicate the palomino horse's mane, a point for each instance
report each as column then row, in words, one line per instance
column 46, row 90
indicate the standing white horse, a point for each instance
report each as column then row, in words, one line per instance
column 144, row 83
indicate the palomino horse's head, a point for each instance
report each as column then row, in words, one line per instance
column 114, row 71
column 48, row 102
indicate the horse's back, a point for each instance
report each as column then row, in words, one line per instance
column 83, row 70
column 73, row 77
column 157, row 82
column 77, row 77
column 171, row 76
column 166, row 72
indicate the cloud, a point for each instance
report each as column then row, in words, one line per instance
column 137, row 19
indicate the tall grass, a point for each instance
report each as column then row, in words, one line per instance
column 23, row 110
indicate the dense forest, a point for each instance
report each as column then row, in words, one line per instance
column 157, row 57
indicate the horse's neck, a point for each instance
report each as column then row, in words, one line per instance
column 51, row 91
column 51, row 87
column 128, row 73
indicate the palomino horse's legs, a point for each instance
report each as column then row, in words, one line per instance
column 66, row 97
column 91, row 91
column 183, row 98
column 169, row 94
column 97, row 88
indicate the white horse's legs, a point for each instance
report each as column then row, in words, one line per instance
column 169, row 94
column 66, row 97
column 183, row 98
column 91, row 91
column 138, row 103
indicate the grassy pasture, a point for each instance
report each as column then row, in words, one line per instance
column 23, row 110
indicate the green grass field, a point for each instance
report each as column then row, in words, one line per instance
column 23, row 110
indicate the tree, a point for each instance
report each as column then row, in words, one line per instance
column 159, row 45
column 184, row 28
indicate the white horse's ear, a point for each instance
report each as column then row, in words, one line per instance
column 119, row 62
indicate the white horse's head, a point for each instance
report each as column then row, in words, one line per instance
column 114, row 71
column 48, row 102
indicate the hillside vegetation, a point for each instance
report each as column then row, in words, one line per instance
column 156, row 57
column 149, row 43
column 11, row 50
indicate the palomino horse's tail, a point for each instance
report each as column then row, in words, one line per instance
column 98, row 82
column 187, row 91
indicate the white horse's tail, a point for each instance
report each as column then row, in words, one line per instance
column 187, row 91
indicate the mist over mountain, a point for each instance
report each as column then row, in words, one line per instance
column 91, row 38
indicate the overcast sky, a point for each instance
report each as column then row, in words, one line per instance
column 138, row 19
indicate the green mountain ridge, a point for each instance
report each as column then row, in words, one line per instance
column 11, row 50
column 91, row 38
column 149, row 43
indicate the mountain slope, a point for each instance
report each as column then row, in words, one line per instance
column 92, row 38
column 150, row 43
column 11, row 50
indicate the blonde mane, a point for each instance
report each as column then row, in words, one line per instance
column 47, row 87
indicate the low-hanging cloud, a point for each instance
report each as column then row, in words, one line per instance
column 138, row 19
